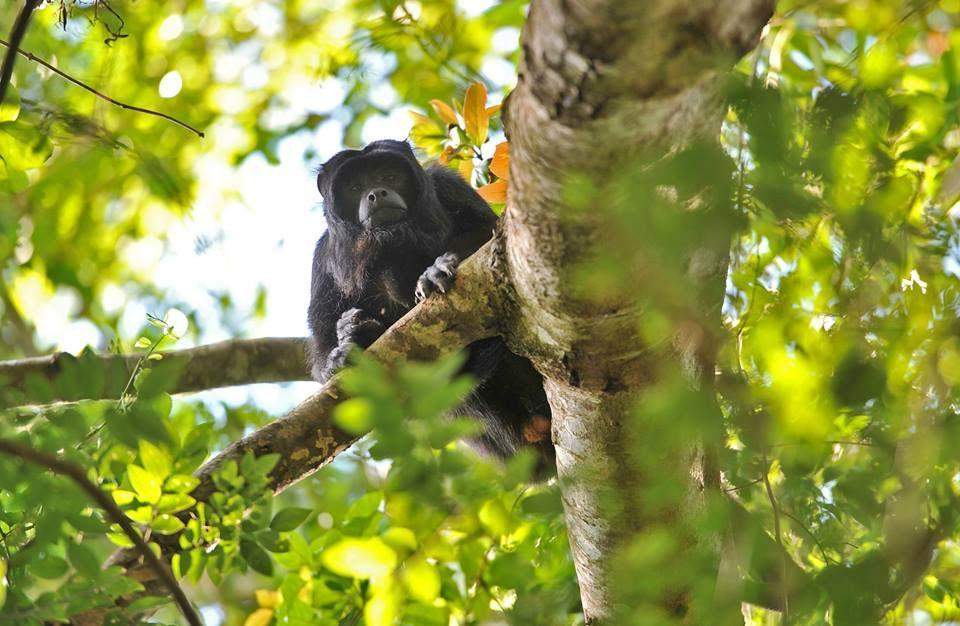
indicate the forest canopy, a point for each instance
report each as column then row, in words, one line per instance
column 157, row 193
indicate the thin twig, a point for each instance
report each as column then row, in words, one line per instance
column 776, row 529
column 29, row 55
column 16, row 36
column 77, row 475
column 813, row 535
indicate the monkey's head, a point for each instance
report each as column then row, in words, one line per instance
column 379, row 194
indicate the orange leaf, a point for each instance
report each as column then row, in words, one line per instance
column 494, row 193
column 491, row 111
column 444, row 111
column 937, row 43
column 475, row 112
column 500, row 164
column 446, row 155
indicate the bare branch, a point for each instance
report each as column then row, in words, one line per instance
column 223, row 364
column 76, row 474
column 16, row 36
column 14, row 47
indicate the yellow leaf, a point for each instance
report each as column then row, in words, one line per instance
column 383, row 608
column 494, row 516
column 495, row 193
column 465, row 167
column 268, row 598
column 475, row 112
column 444, row 111
column 360, row 558
column 500, row 164
column 260, row 617
column 147, row 485
column 422, row 580
column 423, row 123
column 491, row 111
column 400, row 539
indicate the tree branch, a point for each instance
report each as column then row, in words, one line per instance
column 13, row 47
column 16, row 36
column 77, row 475
column 223, row 364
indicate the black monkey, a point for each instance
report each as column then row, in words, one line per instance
column 395, row 235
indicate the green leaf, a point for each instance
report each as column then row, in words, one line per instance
column 155, row 460
column 181, row 483
column 147, row 485
column 10, row 108
column 167, row 524
column 288, row 519
column 264, row 464
column 148, row 602
column 83, row 559
column 354, row 415
column 120, row 539
column 48, row 566
column 256, row 557
column 174, row 502
column 22, row 146
column 271, row 540
column 123, row 497
column 360, row 558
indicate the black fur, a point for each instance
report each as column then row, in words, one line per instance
column 366, row 276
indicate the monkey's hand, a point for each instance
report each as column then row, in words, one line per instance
column 354, row 328
column 439, row 277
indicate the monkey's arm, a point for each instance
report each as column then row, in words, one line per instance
column 336, row 325
column 473, row 224
column 473, row 219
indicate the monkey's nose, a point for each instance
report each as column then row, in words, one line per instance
column 372, row 196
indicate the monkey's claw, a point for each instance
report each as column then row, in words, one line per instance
column 439, row 277
column 355, row 326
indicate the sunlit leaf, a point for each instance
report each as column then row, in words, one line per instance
column 360, row 558
column 147, row 485
column 475, row 116
column 495, row 192
column 445, row 112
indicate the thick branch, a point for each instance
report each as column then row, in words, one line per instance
column 77, row 475
column 16, row 36
column 224, row 364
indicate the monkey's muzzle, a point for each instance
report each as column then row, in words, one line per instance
column 382, row 207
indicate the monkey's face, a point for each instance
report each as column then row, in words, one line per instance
column 373, row 191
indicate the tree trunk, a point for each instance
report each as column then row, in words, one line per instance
column 602, row 82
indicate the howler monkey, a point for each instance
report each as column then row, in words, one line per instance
column 395, row 235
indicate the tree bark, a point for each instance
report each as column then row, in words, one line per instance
column 235, row 362
column 600, row 83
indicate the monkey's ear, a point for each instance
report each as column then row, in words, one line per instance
column 321, row 176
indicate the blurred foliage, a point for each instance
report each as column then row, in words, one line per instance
column 835, row 189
